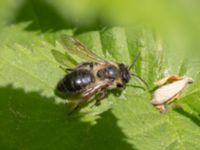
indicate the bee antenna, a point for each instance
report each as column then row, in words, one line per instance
column 142, row 80
column 134, row 61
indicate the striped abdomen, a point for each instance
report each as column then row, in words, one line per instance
column 75, row 81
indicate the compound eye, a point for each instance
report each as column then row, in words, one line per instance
column 119, row 85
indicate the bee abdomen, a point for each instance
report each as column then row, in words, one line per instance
column 75, row 81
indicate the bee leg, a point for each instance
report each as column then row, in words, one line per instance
column 97, row 103
column 85, row 98
column 90, row 92
column 101, row 96
column 78, row 105
column 168, row 79
column 73, row 110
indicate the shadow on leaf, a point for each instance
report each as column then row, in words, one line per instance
column 30, row 121
column 192, row 117
column 43, row 16
column 46, row 18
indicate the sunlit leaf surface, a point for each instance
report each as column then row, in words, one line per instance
column 33, row 116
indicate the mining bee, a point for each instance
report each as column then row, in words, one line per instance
column 95, row 76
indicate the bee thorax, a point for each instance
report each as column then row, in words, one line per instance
column 110, row 72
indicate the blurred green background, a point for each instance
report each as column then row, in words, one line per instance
column 32, row 116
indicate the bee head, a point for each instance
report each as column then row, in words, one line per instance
column 125, row 73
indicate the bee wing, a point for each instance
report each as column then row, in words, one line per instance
column 75, row 47
column 63, row 59
column 91, row 91
column 96, row 87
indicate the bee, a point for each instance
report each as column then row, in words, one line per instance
column 95, row 76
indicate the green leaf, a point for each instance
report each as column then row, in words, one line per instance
column 33, row 116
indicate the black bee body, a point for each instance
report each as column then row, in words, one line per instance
column 76, row 81
column 88, row 73
column 93, row 77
